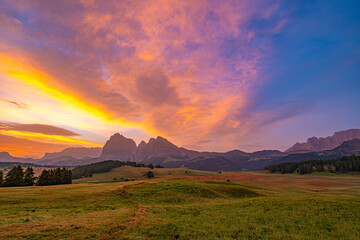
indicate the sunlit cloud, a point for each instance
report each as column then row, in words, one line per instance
column 186, row 70
column 37, row 128
column 45, row 138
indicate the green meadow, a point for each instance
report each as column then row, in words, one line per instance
column 185, row 204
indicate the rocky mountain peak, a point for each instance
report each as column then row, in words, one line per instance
column 349, row 146
column 5, row 154
column 315, row 144
column 142, row 144
column 119, row 147
column 6, row 157
column 157, row 147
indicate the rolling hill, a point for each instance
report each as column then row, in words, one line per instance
column 126, row 173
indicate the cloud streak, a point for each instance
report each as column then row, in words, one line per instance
column 15, row 104
column 37, row 128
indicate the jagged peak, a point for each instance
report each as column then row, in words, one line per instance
column 161, row 139
column 158, row 139
column 349, row 130
column 141, row 144
column 117, row 135
column 325, row 143
column 5, row 153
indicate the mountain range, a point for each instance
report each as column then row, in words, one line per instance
column 347, row 148
column 79, row 153
column 315, row 144
column 161, row 151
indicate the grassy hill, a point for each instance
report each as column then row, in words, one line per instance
column 195, row 205
column 132, row 173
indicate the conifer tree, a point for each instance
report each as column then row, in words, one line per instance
column 1, row 177
column 52, row 177
column 59, row 176
column 15, row 177
column 44, row 178
column 67, row 176
column 29, row 178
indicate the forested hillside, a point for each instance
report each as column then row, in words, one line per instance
column 341, row 165
column 104, row 166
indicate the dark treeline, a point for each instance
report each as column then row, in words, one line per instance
column 1, row 177
column 341, row 165
column 17, row 177
column 105, row 166
column 9, row 165
column 55, row 177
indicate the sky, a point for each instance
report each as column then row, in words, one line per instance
column 206, row 75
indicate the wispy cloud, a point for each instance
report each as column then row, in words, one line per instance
column 15, row 104
column 37, row 128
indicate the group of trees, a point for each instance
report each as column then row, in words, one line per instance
column 55, row 177
column 105, row 166
column 342, row 165
column 150, row 174
column 18, row 177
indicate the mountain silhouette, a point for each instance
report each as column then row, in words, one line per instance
column 161, row 151
column 315, row 144
column 75, row 152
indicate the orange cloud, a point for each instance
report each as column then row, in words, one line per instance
column 45, row 138
column 184, row 70
column 37, row 128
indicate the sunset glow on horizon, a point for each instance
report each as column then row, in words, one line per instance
column 206, row 75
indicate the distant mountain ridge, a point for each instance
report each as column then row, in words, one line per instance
column 315, row 144
column 75, row 152
column 347, row 148
column 5, row 156
column 161, row 151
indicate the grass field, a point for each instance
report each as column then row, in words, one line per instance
column 185, row 205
